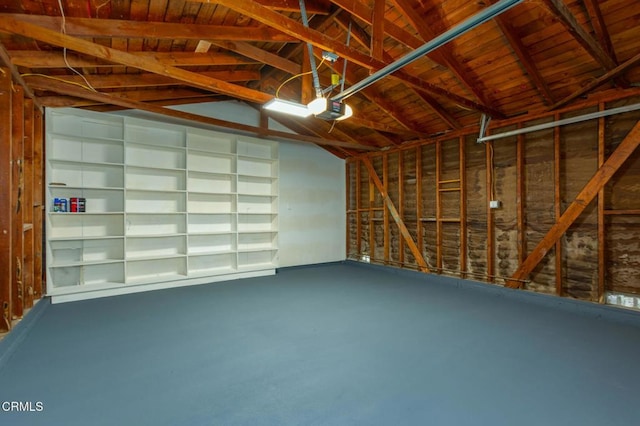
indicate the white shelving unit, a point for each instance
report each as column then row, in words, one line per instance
column 166, row 205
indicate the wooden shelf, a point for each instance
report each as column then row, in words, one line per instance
column 165, row 203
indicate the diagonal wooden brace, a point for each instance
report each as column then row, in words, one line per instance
column 396, row 216
column 588, row 193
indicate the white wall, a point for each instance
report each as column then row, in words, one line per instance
column 312, row 218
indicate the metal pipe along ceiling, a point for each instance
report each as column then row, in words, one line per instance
column 451, row 34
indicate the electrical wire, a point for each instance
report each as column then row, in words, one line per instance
column 63, row 29
column 58, row 79
column 296, row 76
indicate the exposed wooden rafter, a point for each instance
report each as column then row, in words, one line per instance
column 99, row 81
column 94, row 27
column 294, row 28
column 44, row 60
column 524, row 57
column 600, row 27
column 562, row 12
column 370, row 93
column 148, row 64
column 444, row 53
column 599, row 81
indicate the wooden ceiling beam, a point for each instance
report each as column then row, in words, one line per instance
column 72, row 90
column 172, row 95
column 260, row 55
column 94, row 27
column 55, row 59
column 566, row 18
column 377, row 29
column 445, row 53
column 525, row 59
column 115, row 81
column 591, row 85
column 190, row 78
column 364, row 13
column 317, row 7
column 320, row 40
column 363, row 38
column 600, row 27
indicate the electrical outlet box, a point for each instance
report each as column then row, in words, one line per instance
column 494, row 204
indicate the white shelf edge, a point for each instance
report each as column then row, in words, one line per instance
column 85, row 213
column 211, row 253
column 84, row 263
column 155, row 257
column 84, row 238
column 182, row 234
column 176, row 191
column 90, row 139
column 151, row 145
column 257, row 250
column 85, row 163
column 87, row 188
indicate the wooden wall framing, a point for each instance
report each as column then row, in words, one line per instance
column 21, row 201
column 547, row 236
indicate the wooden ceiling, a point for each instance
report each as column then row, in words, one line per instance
column 539, row 55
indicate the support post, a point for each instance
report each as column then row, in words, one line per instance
column 5, row 200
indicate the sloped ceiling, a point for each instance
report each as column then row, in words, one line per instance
column 539, row 55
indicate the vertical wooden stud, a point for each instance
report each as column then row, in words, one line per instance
column 463, row 206
column 520, row 198
column 38, row 202
column 419, row 240
column 358, row 207
column 557, row 202
column 17, row 201
column 490, row 219
column 385, row 213
column 438, row 207
column 27, row 211
column 5, row 200
column 372, row 235
column 601, row 207
column 347, row 187
column 401, row 203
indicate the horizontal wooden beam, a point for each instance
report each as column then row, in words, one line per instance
column 260, row 55
column 191, row 78
column 43, row 60
column 129, row 81
column 94, row 27
column 582, row 200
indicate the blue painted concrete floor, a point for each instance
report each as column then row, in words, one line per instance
column 338, row 344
